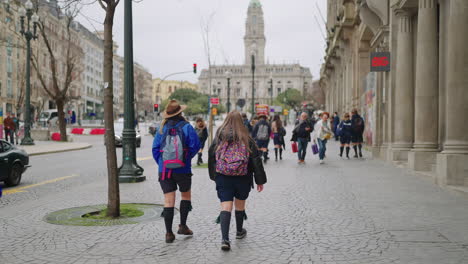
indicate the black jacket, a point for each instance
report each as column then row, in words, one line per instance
column 300, row 131
column 257, row 126
column 255, row 168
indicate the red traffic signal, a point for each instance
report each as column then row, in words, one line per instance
column 156, row 107
column 195, row 68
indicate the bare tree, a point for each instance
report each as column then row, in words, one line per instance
column 206, row 31
column 113, row 202
column 61, row 77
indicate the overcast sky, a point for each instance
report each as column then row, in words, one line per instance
column 168, row 35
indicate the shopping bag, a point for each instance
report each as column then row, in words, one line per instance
column 294, row 147
column 315, row 149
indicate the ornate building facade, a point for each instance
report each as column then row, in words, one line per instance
column 414, row 111
column 284, row 76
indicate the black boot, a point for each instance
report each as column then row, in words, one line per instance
column 347, row 152
column 276, row 154
column 185, row 208
column 281, row 153
column 240, row 217
column 265, row 156
column 168, row 214
column 341, row 151
column 225, row 219
column 199, row 161
column 360, row 150
column 355, row 151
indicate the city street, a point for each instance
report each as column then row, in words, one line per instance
column 346, row 211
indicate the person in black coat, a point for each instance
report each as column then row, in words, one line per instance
column 345, row 132
column 301, row 135
column 202, row 133
column 235, row 189
column 261, row 133
column 358, row 126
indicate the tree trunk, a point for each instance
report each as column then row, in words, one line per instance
column 61, row 118
column 113, row 203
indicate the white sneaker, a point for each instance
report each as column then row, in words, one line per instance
column 321, row 162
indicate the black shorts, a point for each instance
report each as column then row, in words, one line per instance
column 262, row 143
column 183, row 180
column 357, row 138
column 230, row 187
column 345, row 140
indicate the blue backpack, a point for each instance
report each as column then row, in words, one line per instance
column 173, row 148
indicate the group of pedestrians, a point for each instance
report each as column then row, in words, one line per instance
column 350, row 133
column 11, row 128
column 234, row 164
column 236, row 157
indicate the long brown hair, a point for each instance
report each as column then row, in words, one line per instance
column 233, row 129
column 278, row 122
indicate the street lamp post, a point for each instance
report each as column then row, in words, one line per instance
column 271, row 88
column 29, row 14
column 130, row 171
column 229, row 76
column 253, row 83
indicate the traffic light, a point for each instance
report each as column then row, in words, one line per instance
column 195, row 68
column 156, row 108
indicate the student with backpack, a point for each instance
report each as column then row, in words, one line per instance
column 174, row 147
column 202, row 133
column 301, row 134
column 345, row 132
column 358, row 127
column 261, row 134
column 278, row 136
column 234, row 163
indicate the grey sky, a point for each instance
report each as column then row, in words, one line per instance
column 168, row 38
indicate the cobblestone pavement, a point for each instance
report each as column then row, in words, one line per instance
column 346, row 211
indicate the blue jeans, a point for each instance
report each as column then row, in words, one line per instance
column 322, row 144
column 302, row 148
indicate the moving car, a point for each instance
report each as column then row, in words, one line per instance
column 118, row 128
column 154, row 127
column 13, row 163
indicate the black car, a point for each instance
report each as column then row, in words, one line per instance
column 13, row 163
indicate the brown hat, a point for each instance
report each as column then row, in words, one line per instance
column 173, row 108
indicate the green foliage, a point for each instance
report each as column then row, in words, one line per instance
column 126, row 210
column 291, row 99
column 197, row 103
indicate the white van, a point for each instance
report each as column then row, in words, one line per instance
column 46, row 116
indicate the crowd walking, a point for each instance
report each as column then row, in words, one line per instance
column 236, row 157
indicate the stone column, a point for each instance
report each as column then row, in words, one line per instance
column 423, row 156
column 404, row 92
column 452, row 163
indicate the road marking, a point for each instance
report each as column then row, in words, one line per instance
column 22, row 189
column 145, row 158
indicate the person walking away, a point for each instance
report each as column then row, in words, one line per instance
column 278, row 136
column 202, row 133
column 345, row 132
column 301, row 135
column 261, row 133
column 174, row 147
column 336, row 122
column 10, row 128
column 17, row 127
column 358, row 129
column 234, row 163
column 247, row 123
column 322, row 134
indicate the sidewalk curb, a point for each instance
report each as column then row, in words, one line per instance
column 87, row 146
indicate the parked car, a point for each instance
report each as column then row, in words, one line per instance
column 153, row 128
column 118, row 129
column 13, row 163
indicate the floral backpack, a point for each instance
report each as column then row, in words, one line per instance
column 232, row 159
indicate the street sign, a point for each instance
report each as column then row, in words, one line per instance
column 285, row 112
column 380, row 61
column 276, row 109
column 214, row 101
column 214, row 111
